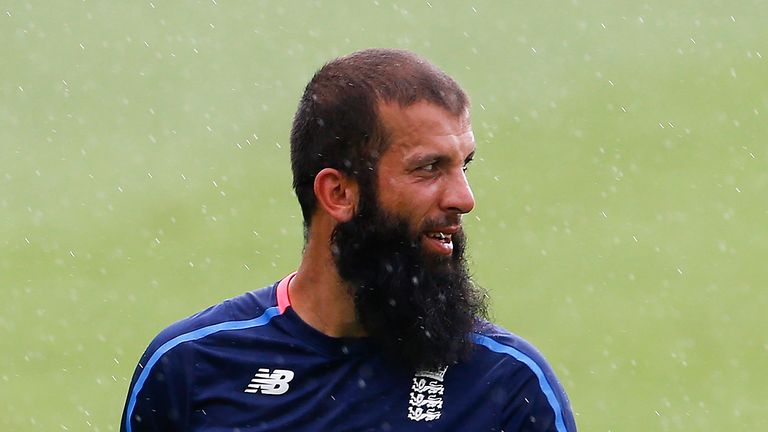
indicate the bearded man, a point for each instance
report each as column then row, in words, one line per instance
column 381, row 327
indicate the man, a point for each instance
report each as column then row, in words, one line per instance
column 381, row 328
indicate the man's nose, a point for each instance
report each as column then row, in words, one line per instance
column 458, row 195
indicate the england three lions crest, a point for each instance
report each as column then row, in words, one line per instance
column 426, row 400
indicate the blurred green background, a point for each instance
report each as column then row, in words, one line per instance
column 621, row 186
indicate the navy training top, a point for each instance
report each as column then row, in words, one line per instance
column 251, row 364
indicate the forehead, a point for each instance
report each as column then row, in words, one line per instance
column 425, row 125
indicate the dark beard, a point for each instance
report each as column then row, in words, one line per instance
column 420, row 309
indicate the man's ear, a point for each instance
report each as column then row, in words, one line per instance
column 337, row 194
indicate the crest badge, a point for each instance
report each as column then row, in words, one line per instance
column 426, row 399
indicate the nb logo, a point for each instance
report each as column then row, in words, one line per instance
column 270, row 383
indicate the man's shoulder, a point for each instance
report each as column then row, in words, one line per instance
column 250, row 309
column 515, row 362
column 510, row 355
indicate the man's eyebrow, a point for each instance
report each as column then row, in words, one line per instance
column 432, row 157
column 424, row 158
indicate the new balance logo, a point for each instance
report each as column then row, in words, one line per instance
column 270, row 383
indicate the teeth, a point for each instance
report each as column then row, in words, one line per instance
column 438, row 235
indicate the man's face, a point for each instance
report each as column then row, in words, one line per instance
column 421, row 176
column 403, row 253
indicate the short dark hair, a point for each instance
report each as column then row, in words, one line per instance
column 337, row 124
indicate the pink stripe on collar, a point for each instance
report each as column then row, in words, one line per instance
column 283, row 299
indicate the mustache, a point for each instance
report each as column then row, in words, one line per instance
column 442, row 222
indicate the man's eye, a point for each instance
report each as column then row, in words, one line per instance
column 429, row 168
column 466, row 165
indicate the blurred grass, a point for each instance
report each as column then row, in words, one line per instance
column 621, row 187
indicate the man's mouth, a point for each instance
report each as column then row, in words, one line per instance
column 439, row 242
column 441, row 236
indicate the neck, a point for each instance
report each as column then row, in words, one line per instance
column 320, row 297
